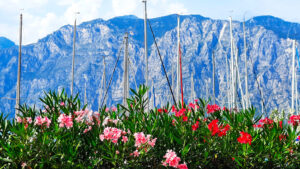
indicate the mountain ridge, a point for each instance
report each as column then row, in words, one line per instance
column 46, row 64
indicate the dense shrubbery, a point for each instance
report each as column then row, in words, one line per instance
column 65, row 134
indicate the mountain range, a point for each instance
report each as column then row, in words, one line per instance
column 46, row 64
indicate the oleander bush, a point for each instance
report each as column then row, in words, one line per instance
column 65, row 134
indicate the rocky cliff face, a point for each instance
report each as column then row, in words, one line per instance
column 46, row 65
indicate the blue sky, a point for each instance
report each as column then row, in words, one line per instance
column 42, row 17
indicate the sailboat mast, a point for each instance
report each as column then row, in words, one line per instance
column 19, row 67
column 85, row 98
column 293, row 76
column 146, row 48
column 296, row 92
column 73, row 58
column 213, row 76
column 126, row 78
column 192, row 88
column 232, row 67
column 246, row 67
column 178, row 59
column 239, row 79
column 103, row 85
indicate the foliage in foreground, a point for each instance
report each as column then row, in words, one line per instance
column 65, row 134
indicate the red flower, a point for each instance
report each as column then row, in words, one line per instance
column 280, row 124
column 233, row 158
column 282, row 137
column 166, row 110
column 213, row 127
column 173, row 122
column 245, row 138
column 258, row 125
column 225, row 109
column 212, row 108
column 295, row 120
column 195, row 126
column 174, row 109
column 180, row 112
column 185, row 118
column 223, row 130
column 266, row 121
column 160, row 110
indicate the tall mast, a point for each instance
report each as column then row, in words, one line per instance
column 246, row 68
column 293, row 76
column 146, row 49
column 103, row 85
column 213, row 76
column 192, row 88
column 239, row 79
column 73, row 58
column 227, row 83
column 19, row 67
column 232, row 66
column 178, row 59
column 85, row 98
column 153, row 94
column 173, row 80
column 296, row 92
column 126, row 77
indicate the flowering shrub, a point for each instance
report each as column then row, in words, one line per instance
column 64, row 134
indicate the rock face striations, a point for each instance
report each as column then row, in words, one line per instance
column 46, row 65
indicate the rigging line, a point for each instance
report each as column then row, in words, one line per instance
column 113, row 72
column 162, row 62
column 258, row 85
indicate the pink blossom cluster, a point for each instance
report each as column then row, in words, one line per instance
column 87, row 117
column 108, row 120
column 141, row 140
column 26, row 121
column 173, row 161
column 65, row 121
column 114, row 109
column 113, row 134
column 42, row 121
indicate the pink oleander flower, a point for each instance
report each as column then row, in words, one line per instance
column 62, row 104
column 152, row 142
column 117, row 152
column 124, row 139
column 111, row 134
column 113, row 109
column 171, row 159
column 19, row 119
column 107, row 109
column 141, row 140
column 182, row 166
column 47, row 121
column 39, row 121
column 88, row 129
column 65, row 121
column 23, row 165
column 29, row 120
column 136, row 153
